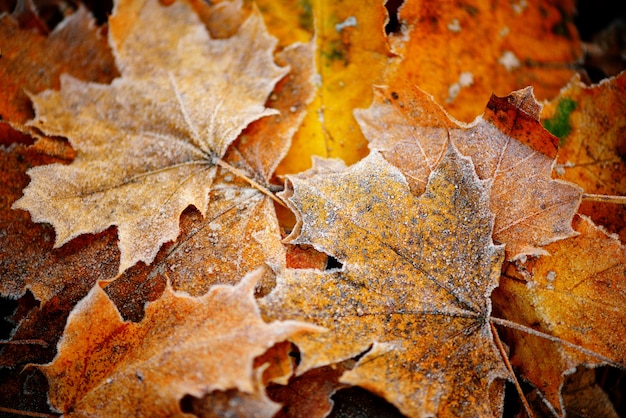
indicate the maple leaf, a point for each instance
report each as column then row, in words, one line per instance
column 352, row 52
column 414, row 289
column 568, row 295
column 38, row 67
column 308, row 395
column 508, row 146
column 462, row 53
column 235, row 209
column 149, row 143
column 147, row 364
column 56, row 278
column 590, row 121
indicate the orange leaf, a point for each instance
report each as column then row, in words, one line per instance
column 461, row 53
column 590, row 122
column 508, row 146
column 575, row 295
column 148, row 143
column 147, row 365
column 38, row 66
column 413, row 294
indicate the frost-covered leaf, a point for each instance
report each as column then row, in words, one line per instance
column 184, row 345
column 147, row 144
column 508, row 146
column 413, row 293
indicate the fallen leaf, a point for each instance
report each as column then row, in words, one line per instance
column 28, row 260
column 231, row 403
column 305, row 257
column 221, row 18
column 288, row 20
column 235, row 209
column 576, row 295
column 148, row 144
column 583, row 396
column 308, row 395
column 58, row 278
column 461, row 53
column 23, row 390
column 352, row 52
column 508, row 146
column 146, row 365
column 413, row 293
column 74, row 47
column 591, row 123
column 277, row 363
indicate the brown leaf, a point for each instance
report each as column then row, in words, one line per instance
column 147, row 145
column 147, row 365
column 32, row 62
column 231, row 403
column 277, row 363
column 23, row 390
column 414, row 289
column 28, row 259
column 508, row 146
column 58, row 278
column 308, row 395
column 577, row 295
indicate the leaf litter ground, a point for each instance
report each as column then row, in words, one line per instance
column 468, row 309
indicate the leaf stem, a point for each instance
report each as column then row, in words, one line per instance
column 619, row 200
column 27, row 342
column 253, row 183
column 27, row 413
column 528, row 330
column 504, row 355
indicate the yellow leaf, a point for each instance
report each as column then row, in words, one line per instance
column 352, row 52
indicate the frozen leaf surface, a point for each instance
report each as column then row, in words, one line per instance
column 148, row 143
column 147, row 365
column 590, row 122
column 37, row 67
column 414, row 289
column 575, row 294
column 58, row 278
column 508, row 146
column 236, row 211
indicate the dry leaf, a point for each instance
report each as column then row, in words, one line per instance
column 148, row 143
column 58, row 278
column 352, row 53
column 575, row 294
column 147, row 365
column 591, row 124
column 74, row 47
column 414, row 289
column 231, row 403
column 23, row 390
column 508, row 146
column 461, row 52
column 308, row 395
column 236, row 211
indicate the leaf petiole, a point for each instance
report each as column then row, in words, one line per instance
column 619, row 200
column 532, row 331
column 253, row 183
column 505, row 358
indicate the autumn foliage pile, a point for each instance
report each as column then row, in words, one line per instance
column 168, row 246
